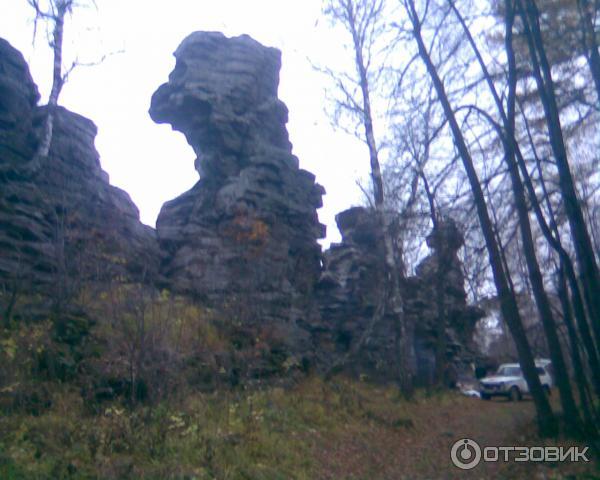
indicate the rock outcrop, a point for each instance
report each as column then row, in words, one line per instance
column 25, row 231
column 350, row 292
column 244, row 238
column 61, row 216
column 350, row 295
column 439, row 282
column 98, row 219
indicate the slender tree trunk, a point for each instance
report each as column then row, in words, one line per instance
column 441, row 340
column 406, row 357
column 57, row 83
column 441, row 271
column 391, row 305
column 510, row 312
column 580, row 379
column 535, row 275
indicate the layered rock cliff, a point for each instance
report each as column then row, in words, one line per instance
column 24, row 215
column 350, row 294
column 60, row 217
column 244, row 237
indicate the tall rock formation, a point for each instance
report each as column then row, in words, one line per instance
column 245, row 236
column 60, row 218
column 439, row 284
column 350, row 292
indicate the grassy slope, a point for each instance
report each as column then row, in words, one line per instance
column 317, row 430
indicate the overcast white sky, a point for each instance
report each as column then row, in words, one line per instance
column 153, row 163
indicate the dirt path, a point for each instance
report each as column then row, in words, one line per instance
column 415, row 442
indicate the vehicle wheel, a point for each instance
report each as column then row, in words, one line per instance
column 547, row 390
column 514, row 394
column 485, row 396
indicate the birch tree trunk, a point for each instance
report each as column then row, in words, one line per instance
column 406, row 357
column 359, row 18
column 58, row 18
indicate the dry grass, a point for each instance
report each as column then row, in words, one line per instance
column 318, row 430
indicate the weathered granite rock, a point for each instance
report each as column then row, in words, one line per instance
column 61, row 215
column 99, row 221
column 245, row 236
column 442, row 272
column 350, row 291
column 18, row 97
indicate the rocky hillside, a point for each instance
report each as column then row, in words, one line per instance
column 242, row 242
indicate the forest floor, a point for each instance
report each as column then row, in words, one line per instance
column 421, row 450
column 316, row 430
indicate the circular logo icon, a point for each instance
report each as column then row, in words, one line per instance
column 465, row 453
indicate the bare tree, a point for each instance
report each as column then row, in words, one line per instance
column 363, row 21
column 542, row 71
column 508, row 139
column 509, row 307
column 54, row 13
column 416, row 126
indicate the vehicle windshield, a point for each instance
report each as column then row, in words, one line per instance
column 507, row 371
